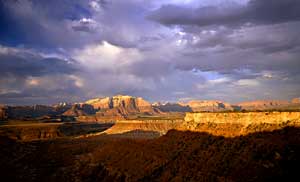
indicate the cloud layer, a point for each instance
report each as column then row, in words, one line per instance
column 231, row 14
column 53, row 51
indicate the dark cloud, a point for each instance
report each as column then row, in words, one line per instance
column 42, row 23
column 256, row 48
column 27, row 77
column 256, row 12
column 42, row 96
column 24, row 63
column 213, row 52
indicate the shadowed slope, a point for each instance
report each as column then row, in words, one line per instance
column 177, row 156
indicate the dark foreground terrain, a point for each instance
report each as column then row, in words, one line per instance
column 176, row 156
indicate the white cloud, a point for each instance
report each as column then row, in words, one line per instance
column 107, row 56
column 219, row 80
column 79, row 82
column 95, row 5
column 248, row 82
column 85, row 24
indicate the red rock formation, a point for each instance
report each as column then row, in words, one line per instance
column 100, row 103
column 121, row 106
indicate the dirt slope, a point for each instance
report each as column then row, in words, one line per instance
column 177, row 156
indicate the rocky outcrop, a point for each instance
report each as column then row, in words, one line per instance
column 239, row 123
column 244, row 118
column 121, row 106
column 61, row 107
column 101, row 103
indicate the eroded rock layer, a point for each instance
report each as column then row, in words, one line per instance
column 233, row 124
column 121, row 106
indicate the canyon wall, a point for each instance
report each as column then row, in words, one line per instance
column 226, row 124
column 41, row 131
column 159, row 126
column 244, row 118
column 222, row 124
column 236, row 124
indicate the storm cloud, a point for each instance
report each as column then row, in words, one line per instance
column 20, row 62
column 64, row 50
column 255, row 12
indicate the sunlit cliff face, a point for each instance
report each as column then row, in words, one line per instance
column 161, row 50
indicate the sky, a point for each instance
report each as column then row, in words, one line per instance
column 161, row 50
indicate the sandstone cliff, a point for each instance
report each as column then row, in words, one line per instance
column 244, row 118
column 121, row 106
column 238, row 123
column 101, row 103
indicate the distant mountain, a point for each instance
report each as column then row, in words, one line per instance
column 171, row 107
column 208, row 106
column 32, row 112
column 269, row 105
column 22, row 112
column 122, row 106
column 80, row 110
